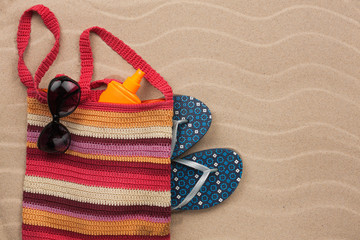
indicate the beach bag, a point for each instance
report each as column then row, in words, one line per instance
column 113, row 181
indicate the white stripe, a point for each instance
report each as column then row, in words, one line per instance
column 97, row 132
column 96, row 195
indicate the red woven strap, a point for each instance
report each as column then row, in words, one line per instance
column 23, row 37
column 125, row 52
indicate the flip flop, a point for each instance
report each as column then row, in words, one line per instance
column 197, row 117
column 204, row 179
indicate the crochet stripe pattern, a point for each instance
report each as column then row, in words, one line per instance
column 101, row 187
column 114, row 180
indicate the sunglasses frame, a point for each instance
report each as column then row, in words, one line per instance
column 56, row 117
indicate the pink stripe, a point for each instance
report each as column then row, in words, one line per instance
column 95, row 171
column 31, row 232
column 33, row 135
column 98, row 218
column 120, row 150
column 94, row 178
column 30, row 235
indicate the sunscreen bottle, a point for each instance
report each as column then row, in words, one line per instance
column 123, row 93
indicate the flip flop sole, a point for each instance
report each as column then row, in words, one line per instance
column 199, row 117
column 219, row 185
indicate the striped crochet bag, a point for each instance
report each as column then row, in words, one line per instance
column 114, row 180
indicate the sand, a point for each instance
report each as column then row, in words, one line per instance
column 281, row 78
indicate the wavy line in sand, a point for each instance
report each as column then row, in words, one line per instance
column 286, row 97
column 13, row 129
column 335, row 140
column 299, row 66
column 128, row 3
column 299, row 211
column 12, row 145
column 333, row 238
column 12, row 170
column 353, row 6
column 252, row 44
column 68, row 31
column 289, row 131
column 306, row 185
column 8, row 49
column 8, row 199
column 307, row 194
column 299, row 155
column 15, row 104
column 278, row 13
column 11, row 224
column 230, row 11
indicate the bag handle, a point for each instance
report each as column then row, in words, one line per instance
column 125, row 52
column 23, row 36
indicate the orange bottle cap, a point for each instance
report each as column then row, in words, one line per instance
column 133, row 83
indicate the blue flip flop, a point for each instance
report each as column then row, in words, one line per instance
column 204, row 179
column 191, row 121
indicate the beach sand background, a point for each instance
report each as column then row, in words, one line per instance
column 282, row 79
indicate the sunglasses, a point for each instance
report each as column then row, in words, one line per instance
column 63, row 97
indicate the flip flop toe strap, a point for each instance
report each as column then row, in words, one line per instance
column 197, row 166
column 176, row 124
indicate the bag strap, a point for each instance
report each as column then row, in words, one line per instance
column 23, row 36
column 125, row 52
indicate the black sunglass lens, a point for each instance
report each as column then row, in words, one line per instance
column 54, row 138
column 63, row 96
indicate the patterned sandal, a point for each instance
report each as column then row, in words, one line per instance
column 204, row 179
column 198, row 118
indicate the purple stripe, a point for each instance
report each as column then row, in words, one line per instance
column 114, row 166
column 109, row 149
column 98, row 218
column 145, row 141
